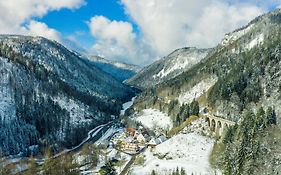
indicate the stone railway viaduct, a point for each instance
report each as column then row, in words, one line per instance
column 217, row 124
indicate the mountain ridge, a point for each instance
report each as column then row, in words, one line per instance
column 120, row 71
column 227, row 59
column 238, row 81
column 168, row 67
column 51, row 94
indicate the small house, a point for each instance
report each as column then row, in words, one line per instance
column 136, row 134
column 128, row 139
column 131, row 131
column 156, row 141
column 162, row 138
column 141, row 139
column 131, row 147
column 153, row 143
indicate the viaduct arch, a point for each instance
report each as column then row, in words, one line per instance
column 217, row 124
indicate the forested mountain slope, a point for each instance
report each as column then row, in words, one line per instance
column 242, row 72
column 51, row 95
column 118, row 70
column 168, row 67
column 239, row 81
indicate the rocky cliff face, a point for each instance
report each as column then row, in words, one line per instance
column 168, row 67
column 51, row 95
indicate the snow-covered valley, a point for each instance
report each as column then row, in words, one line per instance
column 195, row 111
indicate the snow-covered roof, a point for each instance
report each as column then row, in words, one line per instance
column 154, row 141
column 140, row 137
column 162, row 138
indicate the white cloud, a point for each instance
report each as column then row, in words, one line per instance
column 166, row 25
column 35, row 28
column 170, row 24
column 217, row 20
column 16, row 16
column 115, row 32
column 116, row 40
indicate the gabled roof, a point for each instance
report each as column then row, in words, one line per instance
column 162, row 138
column 140, row 137
column 154, row 142
column 131, row 130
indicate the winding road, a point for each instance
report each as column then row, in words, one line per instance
column 93, row 136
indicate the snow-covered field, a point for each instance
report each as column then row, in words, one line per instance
column 189, row 151
column 111, row 153
column 197, row 90
column 152, row 118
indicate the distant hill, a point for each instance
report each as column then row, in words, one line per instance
column 120, row 71
column 168, row 67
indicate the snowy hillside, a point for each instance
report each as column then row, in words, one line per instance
column 168, row 67
column 154, row 119
column 196, row 91
column 246, row 89
column 188, row 150
column 118, row 70
column 49, row 94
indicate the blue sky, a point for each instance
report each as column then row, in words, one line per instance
column 132, row 31
column 74, row 22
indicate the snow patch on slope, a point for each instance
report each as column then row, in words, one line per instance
column 178, row 65
column 152, row 118
column 258, row 40
column 230, row 38
column 196, row 91
column 7, row 103
column 77, row 111
column 180, row 61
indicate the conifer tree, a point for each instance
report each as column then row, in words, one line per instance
column 153, row 172
column 183, row 171
column 32, row 168
column 260, row 119
column 49, row 166
column 271, row 116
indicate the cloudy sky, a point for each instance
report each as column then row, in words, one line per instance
column 132, row 31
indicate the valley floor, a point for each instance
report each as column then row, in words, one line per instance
column 189, row 151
